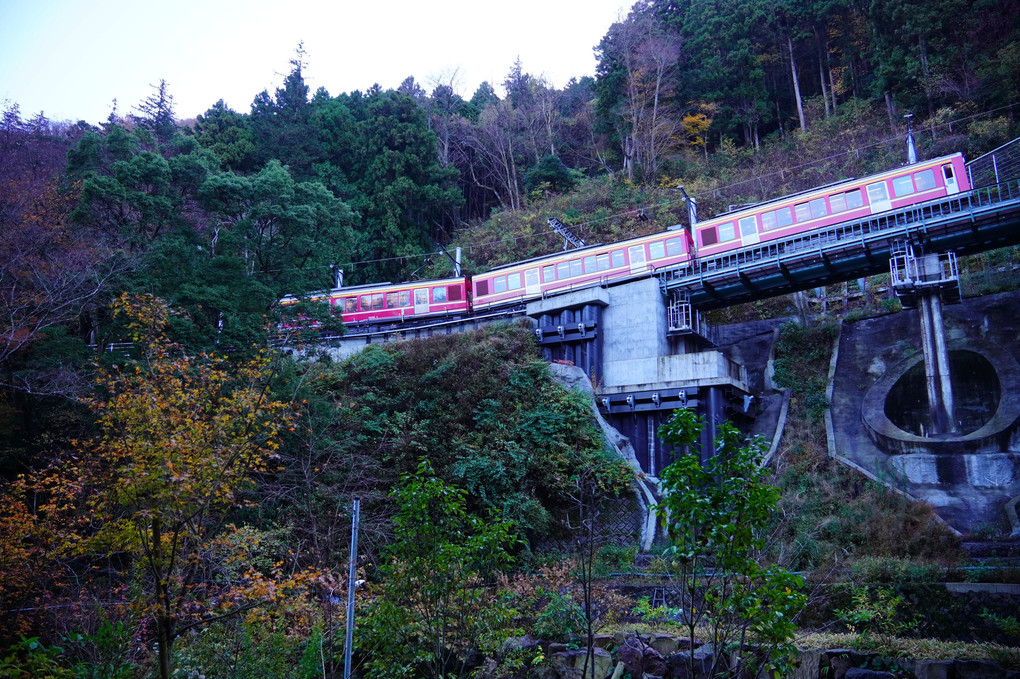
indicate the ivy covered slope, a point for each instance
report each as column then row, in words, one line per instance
column 480, row 407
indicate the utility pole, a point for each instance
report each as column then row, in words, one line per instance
column 351, row 585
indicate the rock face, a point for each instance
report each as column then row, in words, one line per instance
column 645, row 490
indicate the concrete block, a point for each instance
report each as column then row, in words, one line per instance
column 918, row 468
column 991, row 471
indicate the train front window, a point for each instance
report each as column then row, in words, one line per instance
column 499, row 284
column 924, row 180
column 439, row 294
column 748, row 226
column 903, row 186
column 657, row 249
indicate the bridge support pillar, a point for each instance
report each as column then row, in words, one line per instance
column 924, row 282
column 936, row 365
column 715, row 415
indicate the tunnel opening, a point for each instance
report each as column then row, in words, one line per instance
column 976, row 395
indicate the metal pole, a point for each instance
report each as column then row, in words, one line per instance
column 351, row 573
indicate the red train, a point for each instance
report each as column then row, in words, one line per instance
column 521, row 282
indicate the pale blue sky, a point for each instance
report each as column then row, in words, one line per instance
column 70, row 58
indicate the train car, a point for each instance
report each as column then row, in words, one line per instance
column 395, row 302
column 832, row 204
column 583, row 267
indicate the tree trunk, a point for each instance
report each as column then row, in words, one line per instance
column 796, row 84
column 164, row 616
column 890, row 106
column 819, row 42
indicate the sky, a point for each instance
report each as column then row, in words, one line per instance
column 71, row 58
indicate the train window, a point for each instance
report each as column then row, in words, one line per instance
column 802, row 211
column 514, row 281
column 589, row 264
column 398, row 299
column 377, row 301
column 439, row 294
column 748, row 226
column 768, row 220
column 350, row 305
column 575, row 267
column 837, row 202
column 549, row 273
column 602, row 261
column 421, row 295
column 924, row 180
column 482, row 288
column 366, row 302
column 499, row 284
column 709, row 237
column 674, row 246
column 618, row 259
column 562, row 271
column 903, row 186
column 784, row 216
column 453, row 293
column 657, row 249
column 726, row 231
column 854, row 199
column 818, row 207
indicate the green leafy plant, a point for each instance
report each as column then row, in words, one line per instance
column 716, row 516
column 561, row 619
column 433, row 612
column 874, row 613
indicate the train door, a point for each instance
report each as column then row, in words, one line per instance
column 638, row 261
column 878, row 197
column 421, row 301
column 949, row 175
column 532, row 283
column 749, row 230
